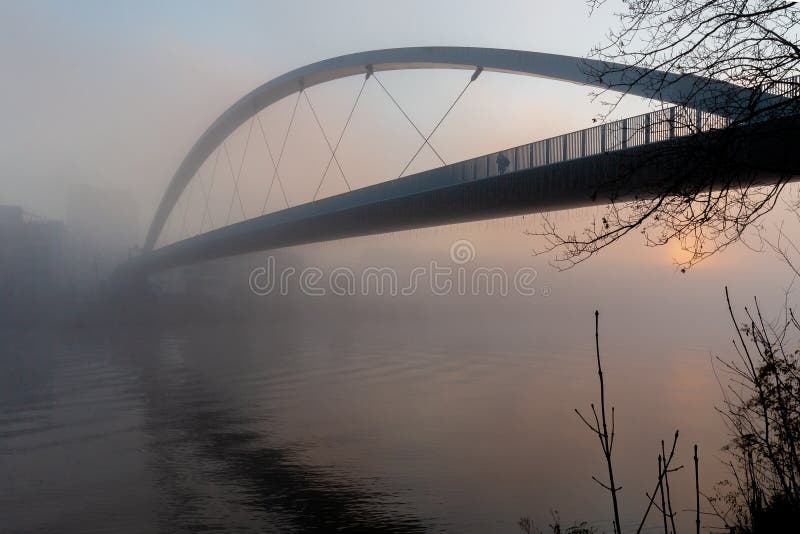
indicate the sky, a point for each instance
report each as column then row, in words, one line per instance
column 113, row 94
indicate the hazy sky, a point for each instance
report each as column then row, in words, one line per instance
column 115, row 93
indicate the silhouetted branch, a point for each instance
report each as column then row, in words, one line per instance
column 662, row 474
column 728, row 58
column 652, row 497
column 697, row 490
column 666, row 487
column 601, row 429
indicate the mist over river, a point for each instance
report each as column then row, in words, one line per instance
column 399, row 414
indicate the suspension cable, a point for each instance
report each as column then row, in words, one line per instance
column 407, row 117
column 238, row 174
column 333, row 148
column 338, row 141
column 427, row 139
column 280, row 157
column 275, row 173
column 187, row 199
column 164, row 236
column 266, row 143
column 325, row 136
column 207, row 195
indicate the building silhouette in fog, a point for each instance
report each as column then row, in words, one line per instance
column 102, row 226
column 31, row 260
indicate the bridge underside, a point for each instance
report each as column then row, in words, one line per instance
column 765, row 153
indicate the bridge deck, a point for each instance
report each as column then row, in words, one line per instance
column 537, row 177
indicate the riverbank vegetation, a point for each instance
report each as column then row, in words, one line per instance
column 760, row 385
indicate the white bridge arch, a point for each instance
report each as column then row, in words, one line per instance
column 703, row 94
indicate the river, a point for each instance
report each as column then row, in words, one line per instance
column 422, row 413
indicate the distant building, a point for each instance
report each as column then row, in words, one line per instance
column 31, row 255
column 103, row 229
column 10, row 216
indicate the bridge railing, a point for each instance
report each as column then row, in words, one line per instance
column 652, row 127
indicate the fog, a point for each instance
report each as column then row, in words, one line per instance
column 452, row 410
column 114, row 97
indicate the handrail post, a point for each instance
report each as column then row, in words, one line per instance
column 672, row 122
column 625, row 133
column 603, row 138
column 564, row 140
column 583, row 143
column 647, row 129
column 547, row 152
column 699, row 120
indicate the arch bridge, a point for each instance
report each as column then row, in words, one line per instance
column 570, row 170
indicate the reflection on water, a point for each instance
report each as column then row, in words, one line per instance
column 97, row 437
column 387, row 418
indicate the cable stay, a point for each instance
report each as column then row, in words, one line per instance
column 452, row 105
column 280, row 158
column 188, row 200
column 325, row 136
column 238, row 175
column 275, row 174
column 332, row 147
column 338, row 141
column 269, row 152
column 407, row 117
column 207, row 194
column 164, row 237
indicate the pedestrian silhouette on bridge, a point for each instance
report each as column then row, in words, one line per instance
column 502, row 163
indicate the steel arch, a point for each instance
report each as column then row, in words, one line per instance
column 671, row 88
